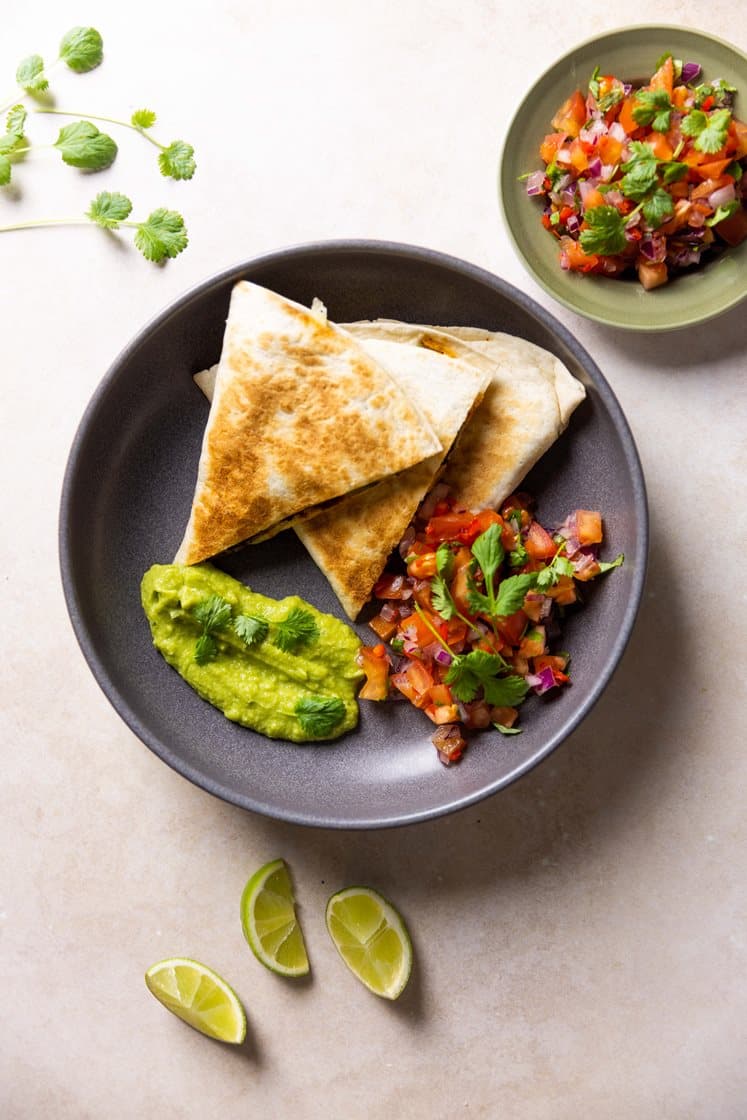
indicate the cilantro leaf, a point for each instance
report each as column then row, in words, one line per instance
column 723, row 212
column 82, row 145
column 16, row 120
column 549, row 576
column 297, row 629
column 444, row 560
column 143, row 118
column 82, row 49
column 250, row 629
column 468, row 673
column 653, row 107
column 441, row 598
column 709, row 130
column 206, row 649
column 672, row 170
column 594, row 83
column 30, row 74
column 658, row 207
column 10, row 141
column 640, row 179
column 162, row 234
column 213, row 612
column 607, row 565
column 612, row 97
column 177, row 161
column 318, row 715
column 517, row 558
column 507, row 730
column 6, row 170
column 606, row 232
column 489, row 552
column 109, row 209
column 478, row 602
column 511, row 593
column 505, row 692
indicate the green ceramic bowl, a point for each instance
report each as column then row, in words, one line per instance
column 629, row 54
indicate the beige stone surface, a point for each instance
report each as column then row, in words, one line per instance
column 580, row 938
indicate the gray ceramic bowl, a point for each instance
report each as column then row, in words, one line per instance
column 631, row 53
column 126, row 497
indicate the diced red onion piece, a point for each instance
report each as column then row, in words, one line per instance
column 690, row 71
column 722, row 196
column 572, row 224
column 568, row 197
column 442, row 657
column 595, row 167
column 563, row 182
column 584, row 188
column 618, row 132
column 535, row 184
column 389, row 612
column 563, row 157
column 614, row 198
column 407, row 541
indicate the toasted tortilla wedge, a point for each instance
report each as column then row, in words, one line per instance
column 301, row 414
column 526, row 407
column 352, row 540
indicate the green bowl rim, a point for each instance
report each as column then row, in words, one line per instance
column 605, row 321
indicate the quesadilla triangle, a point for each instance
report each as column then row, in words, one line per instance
column 301, row 414
column 519, row 418
column 351, row 541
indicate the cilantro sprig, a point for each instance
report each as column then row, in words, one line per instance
column 81, row 49
column 297, row 629
column 606, row 231
column 160, row 236
column 653, row 107
column 319, row 715
column 213, row 614
column 251, row 629
column 708, row 129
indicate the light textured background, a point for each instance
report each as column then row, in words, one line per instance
column 581, row 937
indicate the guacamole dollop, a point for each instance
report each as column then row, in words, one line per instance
column 292, row 679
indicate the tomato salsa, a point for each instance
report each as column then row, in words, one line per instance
column 466, row 625
column 648, row 179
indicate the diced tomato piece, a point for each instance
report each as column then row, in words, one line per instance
column 578, row 260
column 447, row 526
column 709, row 186
column 505, row 716
column 478, row 714
column 422, row 596
column 664, row 76
column 594, row 198
column 533, row 643
column 609, row 149
column 392, row 586
column 403, row 684
column 538, row 543
column 680, row 95
column 446, row 713
column 564, row 591
column 738, row 132
column 491, row 643
column 588, row 526
column 385, row 628
column 512, row 627
column 549, row 146
column 571, row 116
column 660, row 146
column 458, row 586
column 441, row 694
column 579, row 158
column 625, row 116
column 733, row 229
column 376, row 668
column 419, row 548
column 533, row 606
column 480, row 523
column 423, row 566
column 714, row 169
column 415, row 630
column 651, row 275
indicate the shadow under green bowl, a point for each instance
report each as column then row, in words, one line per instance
column 629, row 54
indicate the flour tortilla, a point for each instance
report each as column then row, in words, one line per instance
column 352, row 540
column 520, row 416
column 301, row 414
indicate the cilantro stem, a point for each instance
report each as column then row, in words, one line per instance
column 109, row 120
column 48, row 222
column 421, row 615
column 22, row 93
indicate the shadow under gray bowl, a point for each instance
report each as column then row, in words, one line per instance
column 126, row 498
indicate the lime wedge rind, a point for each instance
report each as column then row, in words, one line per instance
column 198, row 996
column 269, row 922
column 372, row 939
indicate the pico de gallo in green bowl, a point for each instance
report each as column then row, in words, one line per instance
column 469, row 624
column 647, row 179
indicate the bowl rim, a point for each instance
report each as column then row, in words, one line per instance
column 605, row 320
column 391, row 249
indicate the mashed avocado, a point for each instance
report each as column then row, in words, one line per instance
column 278, row 666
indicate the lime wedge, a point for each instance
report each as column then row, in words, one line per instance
column 198, row 996
column 268, row 918
column 372, row 939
